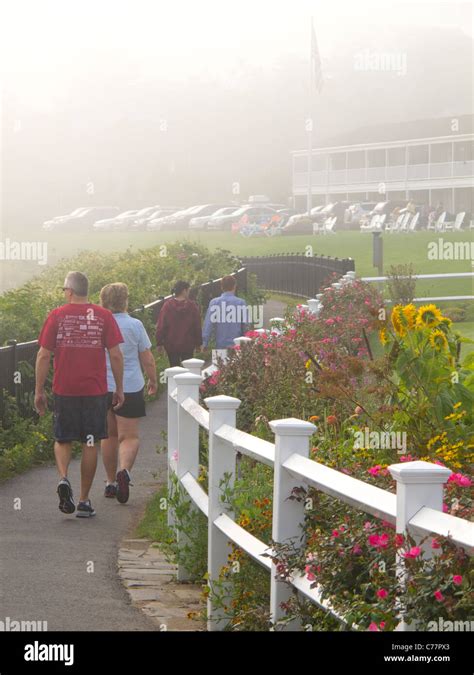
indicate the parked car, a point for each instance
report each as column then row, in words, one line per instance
column 140, row 218
column 147, row 223
column 355, row 212
column 83, row 217
column 180, row 220
column 201, row 222
column 120, row 222
column 163, row 222
column 225, row 222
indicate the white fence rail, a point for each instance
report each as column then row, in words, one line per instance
column 416, row 507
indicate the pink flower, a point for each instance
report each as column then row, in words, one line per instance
column 445, row 508
column 435, row 543
column 414, row 552
column 374, row 470
column 460, row 479
column 329, row 322
column 382, row 593
column 335, row 533
column 367, row 525
column 356, row 550
column 373, row 626
column 399, row 540
column 378, row 541
column 174, row 456
column 358, row 410
column 438, row 595
column 309, row 574
column 457, row 579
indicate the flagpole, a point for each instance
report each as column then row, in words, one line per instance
column 309, row 198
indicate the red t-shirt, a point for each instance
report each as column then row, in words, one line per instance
column 79, row 334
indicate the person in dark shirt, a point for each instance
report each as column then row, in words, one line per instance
column 178, row 329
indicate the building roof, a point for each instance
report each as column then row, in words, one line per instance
column 404, row 131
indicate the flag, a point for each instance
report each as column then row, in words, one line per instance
column 316, row 62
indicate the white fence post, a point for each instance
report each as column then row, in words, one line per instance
column 242, row 341
column 419, row 484
column 291, row 436
column 188, row 444
column 194, row 366
column 313, row 305
column 172, row 431
column 222, row 410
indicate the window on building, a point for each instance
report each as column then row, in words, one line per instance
column 376, row 157
column 463, row 151
column 337, row 160
column 356, row 160
column 418, row 154
column 441, row 152
column 396, row 156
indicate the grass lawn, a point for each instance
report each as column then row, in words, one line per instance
column 401, row 248
column 466, row 328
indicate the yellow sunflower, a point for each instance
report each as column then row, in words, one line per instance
column 428, row 316
column 383, row 336
column 438, row 340
column 409, row 314
column 398, row 320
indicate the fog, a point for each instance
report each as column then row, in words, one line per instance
column 140, row 103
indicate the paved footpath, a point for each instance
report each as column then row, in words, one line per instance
column 63, row 569
column 45, row 557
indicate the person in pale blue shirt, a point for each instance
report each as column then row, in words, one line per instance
column 120, row 449
column 226, row 317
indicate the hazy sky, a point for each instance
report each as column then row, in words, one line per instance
column 41, row 37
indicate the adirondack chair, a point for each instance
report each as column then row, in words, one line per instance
column 413, row 224
column 438, row 224
column 404, row 224
column 329, row 225
column 370, row 226
column 456, row 224
column 393, row 225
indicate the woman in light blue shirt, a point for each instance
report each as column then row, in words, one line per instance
column 120, row 449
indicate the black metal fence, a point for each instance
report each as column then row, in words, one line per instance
column 17, row 359
column 294, row 273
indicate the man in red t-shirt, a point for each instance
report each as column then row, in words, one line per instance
column 78, row 333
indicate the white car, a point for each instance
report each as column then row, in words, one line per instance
column 57, row 220
column 202, row 222
column 118, row 223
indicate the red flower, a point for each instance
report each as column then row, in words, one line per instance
column 331, row 419
column 438, row 595
column 382, row 593
column 457, row 579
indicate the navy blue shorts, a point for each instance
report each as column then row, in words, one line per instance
column 80, row 418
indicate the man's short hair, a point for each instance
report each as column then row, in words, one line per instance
column 228, row 283
column 78, row 283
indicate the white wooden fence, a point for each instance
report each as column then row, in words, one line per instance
column 415, row 508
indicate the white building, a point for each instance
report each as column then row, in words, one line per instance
column 423, row 160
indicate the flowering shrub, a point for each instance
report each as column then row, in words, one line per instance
column 358, row 371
